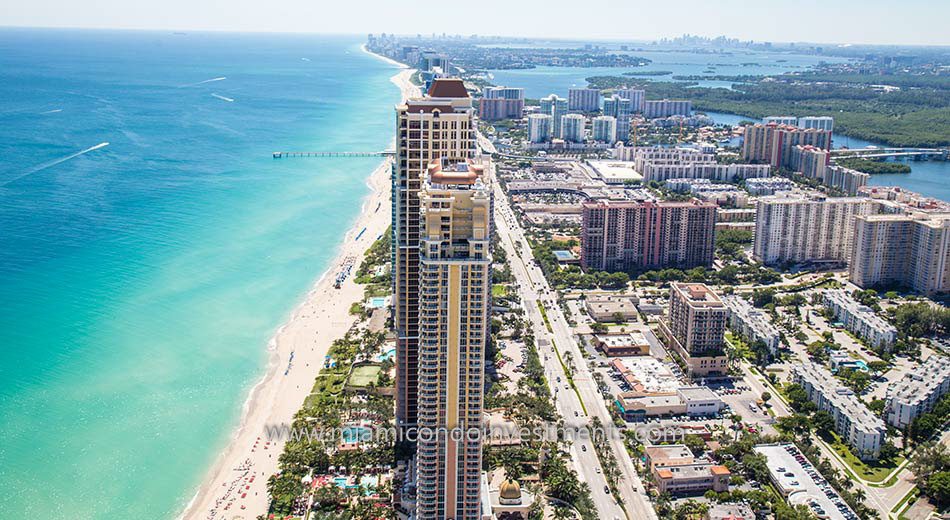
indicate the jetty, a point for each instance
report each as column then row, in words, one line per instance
column 384, row 153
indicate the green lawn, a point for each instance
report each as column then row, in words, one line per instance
column 364, row 375
column 870, row 471
column 499, row 291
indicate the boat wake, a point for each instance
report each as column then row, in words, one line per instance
column 212, row 80
column 54, row 162
column 52, row 111
column 222, row 98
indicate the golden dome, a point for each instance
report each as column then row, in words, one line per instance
column 509, row 490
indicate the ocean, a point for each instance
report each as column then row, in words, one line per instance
column 141, row 280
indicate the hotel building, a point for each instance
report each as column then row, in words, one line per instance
column 857, row 426
column 797, row 228
column 454, row 291
column 437, row 126
column 911, row 250
column 624, row 235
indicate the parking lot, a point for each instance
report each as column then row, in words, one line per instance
column 799, row 481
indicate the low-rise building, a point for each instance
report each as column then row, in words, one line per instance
column 667, row 455
column 691, row 479
column 860, row 319
column 918, row 391
column 730, row 511
column 857, row 426
column 694, row 401
column 768, row 185
column 606, row 308
column 751, row 323
column 622, row 345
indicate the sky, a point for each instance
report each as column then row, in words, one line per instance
column 913, row 22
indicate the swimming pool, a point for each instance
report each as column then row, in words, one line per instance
column 386, row 355
column 353, row 434
column 377, row 302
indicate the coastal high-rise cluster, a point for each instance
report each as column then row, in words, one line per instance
column 441, row 240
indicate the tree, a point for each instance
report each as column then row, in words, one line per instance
column 878, row 367
column 766, row 396
column 618, row 317
column 938, row 486
column 823, row 422
column 695, row 443
column 762, row 297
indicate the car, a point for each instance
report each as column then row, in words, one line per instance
column 607, row 489
column 576, row 414
column 583, row 447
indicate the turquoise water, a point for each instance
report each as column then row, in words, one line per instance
column 141, row 281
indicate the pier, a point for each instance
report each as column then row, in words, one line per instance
column 384, row 153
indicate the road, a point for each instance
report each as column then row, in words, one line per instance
column 533, row 287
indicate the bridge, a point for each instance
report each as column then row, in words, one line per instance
column 384, row 153
column 872, row 153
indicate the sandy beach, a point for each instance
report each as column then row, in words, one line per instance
column 236, row 484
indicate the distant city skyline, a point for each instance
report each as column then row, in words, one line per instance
column 875, row 22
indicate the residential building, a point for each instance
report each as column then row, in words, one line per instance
column 810, row 161
column 717, row 193
column 857, row 426
column 666, row 108
column 436, row 126
column 583, row 99
column 752, row 324
column 555, row 107
column 910, row 250
column 455, row 296
column 768, row 186
column 918, row 391
column 800, row 228
column 696, row 328
column 845, row 179
column 630, row 235
column 572, row 128
column 609, row 307
column 540, row 128
column 495, row 109
column 774, row 144
column 664, row 171
column 826, row 123
column 503, row 93
column 860, row 319
column 636, row 97
column 620, row 108
column 604, row 129
column 781, row 120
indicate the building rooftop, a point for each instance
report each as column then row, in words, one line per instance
column 698, row 293
column 841, row 397
column 918, row 385
column 447, row 88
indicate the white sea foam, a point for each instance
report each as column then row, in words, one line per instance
column 212, row 80
column 54, row 162
column 222, row 98
column 55, row 110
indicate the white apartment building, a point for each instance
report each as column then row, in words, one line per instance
column 636, row 97
column 503, row 93
column 918, row 391
column 583, row 99
column 751, row 323
column 604, row 129
column 764, row 186
column 540, row 128
column 912, row 250
column 555, row 107
column 780, row 120
column 572, row 128
column 798, row 228
column 817, row 122
column 666, row 108
column 857, row 426
column 860, row 319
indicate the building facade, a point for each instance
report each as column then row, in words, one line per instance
column 454, row 293
column 555, row 107
column 857, row 425
column 752, row 324
column 434, row 127
column 796, row 228
column 826, row 123
column 583, row 99
column 604, row 129
column 496, row 109
column 572, row 128
column 909, row 250
column 774, row 144
column 696, row 328
column 639, row 235
column 636, row 97
column 666, row 108
column 540, row 128
column 860, row 319
column 917, row 392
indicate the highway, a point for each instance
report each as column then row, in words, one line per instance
column 533, row 287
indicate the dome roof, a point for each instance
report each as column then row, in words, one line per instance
column 509, row 490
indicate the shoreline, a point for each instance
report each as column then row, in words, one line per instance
column 238, row 476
